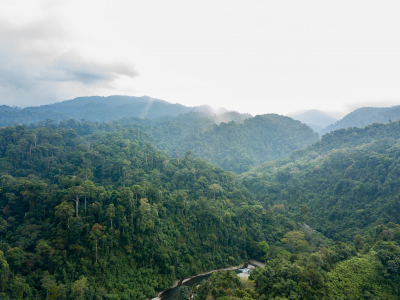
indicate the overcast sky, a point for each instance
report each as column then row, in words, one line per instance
column 251, row 56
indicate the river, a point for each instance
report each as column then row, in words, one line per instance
column 172, row 294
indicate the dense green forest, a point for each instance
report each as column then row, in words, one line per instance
column 236, row 142
column 237, row 146
column 100, row 211
column 341, row 271
column 343, row 194
column 229, row 140
column 349, row 179
column 94, row 211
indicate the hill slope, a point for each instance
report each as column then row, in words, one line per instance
column 349, row 180
column 94, row 211
column 237, row 147
column 234, row 146
column 365, row 116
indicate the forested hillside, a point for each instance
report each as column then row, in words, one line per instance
column 309, row 272
column 96, row 211
column 349, row 180
column 346, row 187
column 233, row 141
column 237, row 147
column 365, row 116
column 93, row 211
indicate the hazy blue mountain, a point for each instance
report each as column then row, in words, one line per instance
column 8, row 108
column 315, row 119
column 100, row 109
column 365, row 116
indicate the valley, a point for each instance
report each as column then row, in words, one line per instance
column 123, row 209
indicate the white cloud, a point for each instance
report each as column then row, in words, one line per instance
column 36, row 67
column 251, row 56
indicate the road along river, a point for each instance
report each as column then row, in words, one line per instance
column 173, row 292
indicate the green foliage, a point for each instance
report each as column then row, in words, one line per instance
column 80, row 287
column 295, row 238
column 53, row 292
column 328, row 273
column 238, row 147
column 339, row 192
column 354, row 278
column 226, row 285
column 102, row 214
column 96, row 211
column 183, row 293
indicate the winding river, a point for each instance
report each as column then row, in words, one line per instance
column 173, row 292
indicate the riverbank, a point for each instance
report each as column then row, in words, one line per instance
column 213, row 271
column 176, row 283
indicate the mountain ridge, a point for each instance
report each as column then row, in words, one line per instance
column 100, row 109
column 315, row 119
column 364, row 116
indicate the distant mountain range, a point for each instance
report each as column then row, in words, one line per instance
column 315, row 119
column 323, row 123
column 365, row 116
column 104, row 109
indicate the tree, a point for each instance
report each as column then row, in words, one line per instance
column 165, row 164
column 62, row 291
column 188, row 154
column 264, row 247
column 47, row 282
column 304, row 210
column 75, row 193
column 183, row 293
column 4, row 271
column 295, row 238
column 89, row 188
column 86, row 174
column 3, row 225
column 215, row 188
column 79, row 288
column 97, row 228
column 128, row 201
column 145, row 221
column 124, row 224
column 19, row 287
column 137, row 189
column 278, row 208
column 53, row 292
column 64, row 211
column 111, row 213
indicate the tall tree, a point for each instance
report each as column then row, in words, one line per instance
column 97, row 229
column 75, row 193
column 111, row 213
column 215, row 188
column 64, row 211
